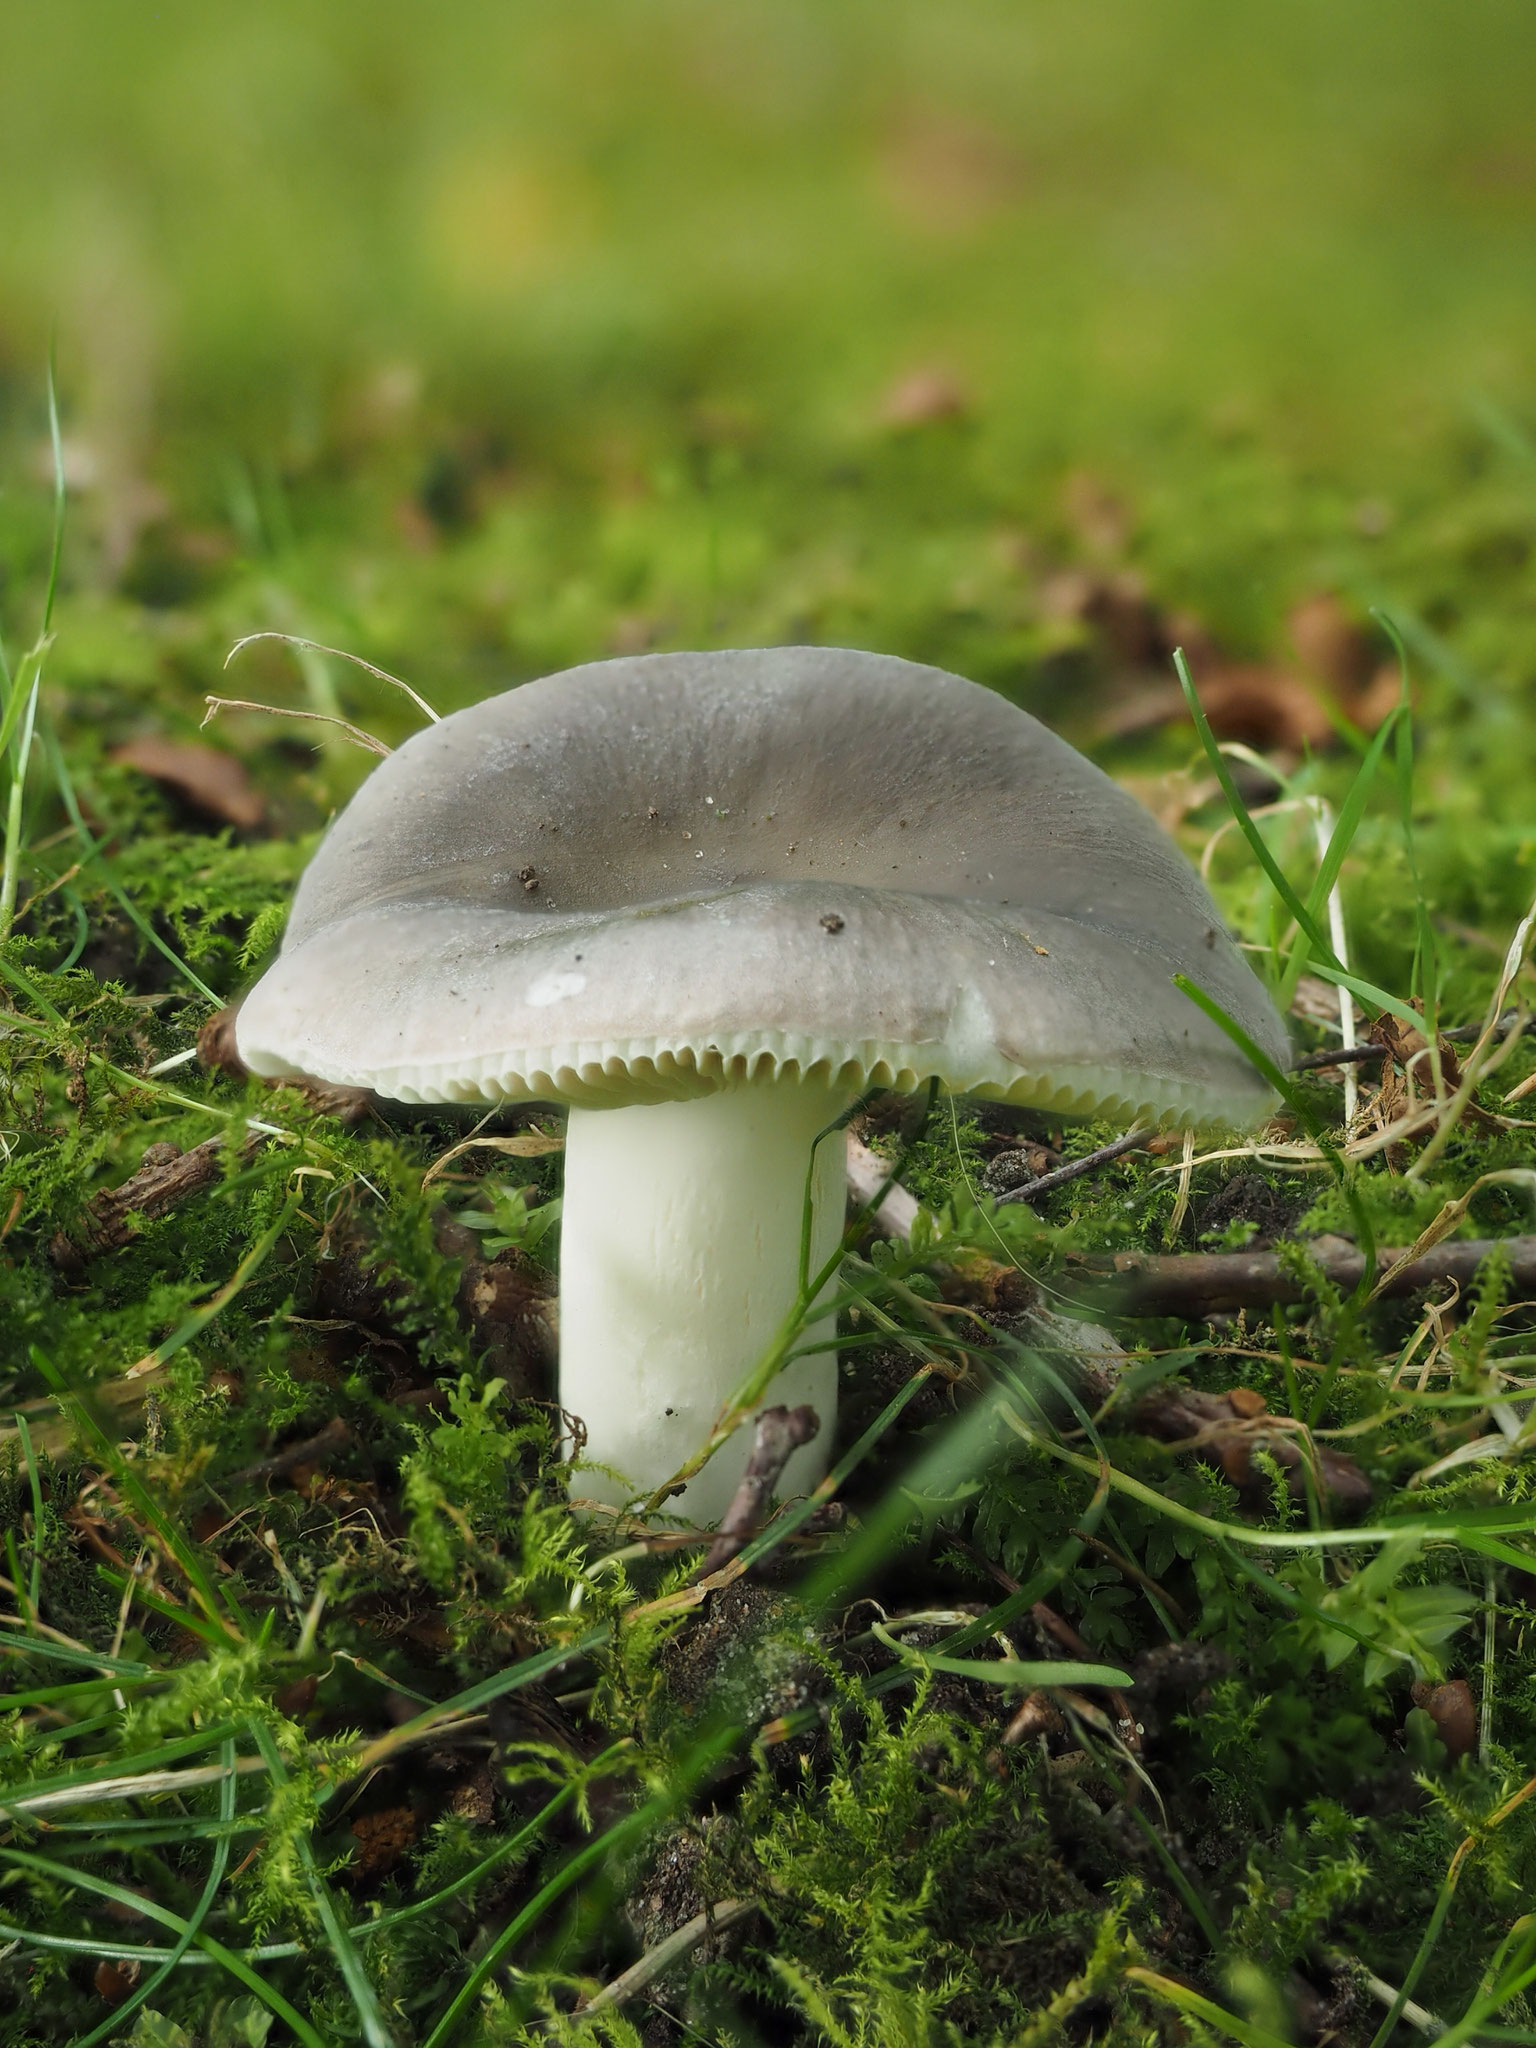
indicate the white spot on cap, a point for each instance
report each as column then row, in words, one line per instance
column 554, row 988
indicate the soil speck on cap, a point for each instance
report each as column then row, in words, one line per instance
column 831, row 922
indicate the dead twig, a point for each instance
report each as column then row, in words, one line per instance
column 780, row 1433
column 166, row 1177
column 1047, row 1183
column 1337, row 1056
column 1356, row 1055
column 1200, row 1284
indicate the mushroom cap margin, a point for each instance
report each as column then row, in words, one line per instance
column 872, row 869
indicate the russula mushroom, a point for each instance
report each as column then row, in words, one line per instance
column 705, row 900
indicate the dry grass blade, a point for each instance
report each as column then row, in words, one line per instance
column 1483, row 1061
column 1451, row 1216
column 341, row 654
column 658, row 1960
column 353, row 732
column 135, row 1785
column 522, row 1145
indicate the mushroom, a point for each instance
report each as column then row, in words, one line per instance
column 705, row 900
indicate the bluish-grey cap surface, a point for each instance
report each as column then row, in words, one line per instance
column 648, row 878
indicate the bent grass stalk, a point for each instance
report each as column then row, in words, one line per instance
column 1318, row 948
column 298, row 640
column 18, row 707
column 136, row 1903
column 195, row 1919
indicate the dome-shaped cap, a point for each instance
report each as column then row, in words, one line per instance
column 643, row 878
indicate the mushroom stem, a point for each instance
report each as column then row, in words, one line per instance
column 679, row 1263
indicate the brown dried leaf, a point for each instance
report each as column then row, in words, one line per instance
column 1263, row 706
column 1334, row 646
column 1377, row 699
column 297, row 1697
column 1116, row 608
column 943, row 174
column 1229, row 1429
column 114, row 1981
column 208, row 779
column 923, row 396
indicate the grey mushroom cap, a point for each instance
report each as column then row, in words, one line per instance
column 648, row 878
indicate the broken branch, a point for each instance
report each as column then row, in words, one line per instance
column 166, row 1177
column 1076, row 1168
column 1197, row 1284
column 780, row 1433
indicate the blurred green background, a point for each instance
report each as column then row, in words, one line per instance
column 488, row 337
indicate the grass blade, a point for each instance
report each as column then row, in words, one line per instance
column 1301, row 1109
column 124, row 1476
column 94, row 855
column 527, row 1672
column 188, row 1935
column 142, row 1761
column 482, row 1870
column 1184, row 2000
column 56, row 448
column 348, row 1961
column 136, row 1903
column 1245, row 824
column 1351, row 812
column 69, row 1653
column 35, row 1586
column 611, row 1844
